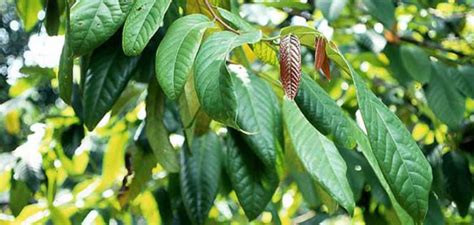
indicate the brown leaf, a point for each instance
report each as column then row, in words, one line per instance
column 321, row 60
column 290, row 64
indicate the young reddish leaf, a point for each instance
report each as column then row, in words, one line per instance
column 321, row 60
column 290, row 64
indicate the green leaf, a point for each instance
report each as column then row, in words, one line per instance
column 464, row 79
column 214, row 85
column 319, row 156
column 443, row 98
column 65, row 82
column 253, row 182
column 236, row 21
column 324, row 114
column 402, row 163
column 52, row 20
column 200, row 172
column 21, row 194
column 306, row 35
column 156, row 130
column 435, row 215
column 95, row 21
column 331, row 8
column 266, row 52
column 458, row 180
column 66, row 63
column 416, row 62
column 28, row 11
column 382, row 10
column 397, row 69
column 108, row 73
column 176, row 53
column 145, row 17
column 258, row 114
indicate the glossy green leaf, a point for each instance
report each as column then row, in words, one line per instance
column 324, row 114
column 382, row 10
column 156, row 131
column 402, row 163
column 176, row 53
column 416, row 62
column 108, row 73
column 200, row 172
column 52, row 20
column 28, row 11
column 66, row 63
column 258, row 115
column 236, row 21
column 458, row 180
column 445, row 101
column 144, row 19
column 331, row 8
column 319, row 156
column 65, row 74
column 214, row 84
column 253, row 182
column 95, row 21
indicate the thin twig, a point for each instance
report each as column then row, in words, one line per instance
column 209, row 7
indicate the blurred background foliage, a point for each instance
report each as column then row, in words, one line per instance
column 417, row 55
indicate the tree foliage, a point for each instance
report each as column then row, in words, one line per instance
column 262, row 112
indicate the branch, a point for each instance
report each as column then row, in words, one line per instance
column 209, row 7
column 429, row 44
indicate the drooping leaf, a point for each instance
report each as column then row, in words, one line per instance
column 156, row 132
column 324, row 114
column 144, row 19
column 331, row 8
column 214, row 85
column 382, row 10
column 319, row 156
column 95, row 21
column 21, row 194
column 66, row 63
column 401, row 161
column 321, row 60
column 258, row 114
column 458, row 180
column 253, row 182
column 176, row 53
column 200, row 172
column 435, row 215
column 71, row 139
column 52, row 20
column 290, row 65
column 108, row 73
column 28, row 12
column 445, row 101
column 416, row 62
